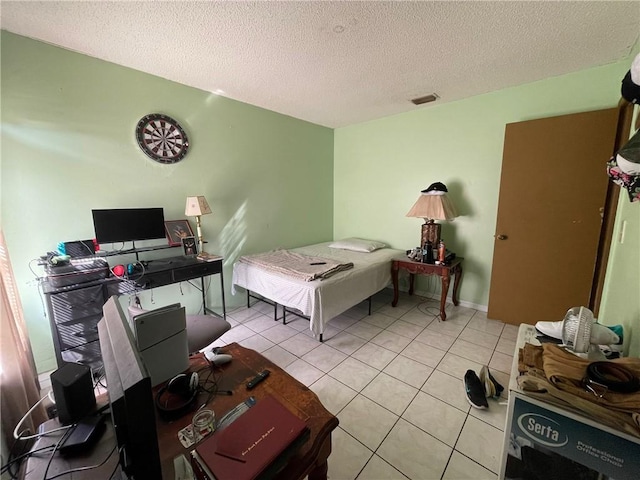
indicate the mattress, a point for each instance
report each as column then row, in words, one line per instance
column 321, row 300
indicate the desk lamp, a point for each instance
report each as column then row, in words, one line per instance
column 432, row 204
column 196, row 207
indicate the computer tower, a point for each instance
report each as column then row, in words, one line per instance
column 161, row 337
column 73, row 391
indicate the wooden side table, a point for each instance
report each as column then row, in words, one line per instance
column 444, row 271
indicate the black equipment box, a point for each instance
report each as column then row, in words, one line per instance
column 78, row 271
column 79, row 248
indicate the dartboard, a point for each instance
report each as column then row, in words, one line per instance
column 162, row 138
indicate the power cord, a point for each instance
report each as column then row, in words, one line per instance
column 11, row 462
column 7, row 467
column 127, row 273
column 197, row 287
column 55, row 449
column 82, row 469
column 135, row 266
column 18, row 436
column 209, row 383
column 89, row 249
column 426, row 309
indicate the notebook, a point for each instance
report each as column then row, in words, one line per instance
column 249, row 445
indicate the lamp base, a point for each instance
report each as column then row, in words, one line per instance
column 430, row 233
column 208, row 257
column 199, row 231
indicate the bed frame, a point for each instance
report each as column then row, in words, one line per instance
column 286, row 310
column 319, row 300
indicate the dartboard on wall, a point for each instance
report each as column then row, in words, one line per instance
column 162, row 138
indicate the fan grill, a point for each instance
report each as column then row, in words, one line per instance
column 576, row 329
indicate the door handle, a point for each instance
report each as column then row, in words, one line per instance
column 501, row 237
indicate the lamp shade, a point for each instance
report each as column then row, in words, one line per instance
column 196, row 206
column 434, row 205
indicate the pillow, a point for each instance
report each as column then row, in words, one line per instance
column 357, row 245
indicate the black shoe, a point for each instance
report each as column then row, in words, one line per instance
column 475, row 390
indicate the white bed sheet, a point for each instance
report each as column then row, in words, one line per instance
column 321, row 300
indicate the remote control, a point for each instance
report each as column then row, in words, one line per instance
column 257, row 379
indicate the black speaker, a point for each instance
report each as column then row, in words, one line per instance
column 73, row 391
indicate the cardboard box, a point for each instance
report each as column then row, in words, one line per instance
column 546, row 441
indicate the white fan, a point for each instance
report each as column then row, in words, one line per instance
column 581, row 334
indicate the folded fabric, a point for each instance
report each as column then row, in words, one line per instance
column 529, row 357
column 536, row 385
column 567, row 371
column 297, row 265
column 556, row 375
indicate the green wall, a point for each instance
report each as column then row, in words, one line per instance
column 381, row 166
column 621, row 295
column 68, row 146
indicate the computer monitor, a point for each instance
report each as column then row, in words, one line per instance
column 130, row 395
column 128, row 224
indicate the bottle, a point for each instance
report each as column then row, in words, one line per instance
column 428, row 249
column 441, row 252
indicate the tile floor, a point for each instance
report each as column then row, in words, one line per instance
column 394, row 380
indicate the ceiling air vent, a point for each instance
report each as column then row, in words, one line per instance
column 426, row 99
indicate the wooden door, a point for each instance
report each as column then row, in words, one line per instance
column 552, row 194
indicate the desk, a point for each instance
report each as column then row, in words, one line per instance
column 74, row 310
column 443, row 271
column 167, row 271
column 312, row 457
column 36, row 465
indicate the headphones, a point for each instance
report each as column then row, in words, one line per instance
column 134, row 268
column 178, row 396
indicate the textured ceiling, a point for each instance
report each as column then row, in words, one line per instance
column 338, row 63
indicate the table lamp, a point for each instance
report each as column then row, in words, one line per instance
column 196, row 207
column 432, row 204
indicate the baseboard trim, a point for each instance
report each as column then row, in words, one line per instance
column 462, row 303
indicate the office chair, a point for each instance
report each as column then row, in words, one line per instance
column 202, row 330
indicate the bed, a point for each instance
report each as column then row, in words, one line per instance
column 320, row 300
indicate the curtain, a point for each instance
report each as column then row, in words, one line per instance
column 19, row 387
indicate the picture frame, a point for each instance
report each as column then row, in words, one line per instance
column 176, row 230
column 189, row 246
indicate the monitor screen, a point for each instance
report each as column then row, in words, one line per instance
column 128, row 224
column 130, row 395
